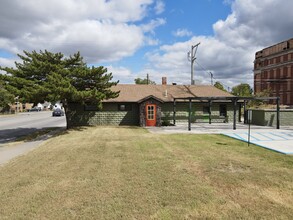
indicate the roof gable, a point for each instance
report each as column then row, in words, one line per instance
column 150, row 97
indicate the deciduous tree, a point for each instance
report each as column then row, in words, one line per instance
column 242, row 89
column 144, row 81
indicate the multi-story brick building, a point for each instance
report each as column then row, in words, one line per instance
column 273, row 70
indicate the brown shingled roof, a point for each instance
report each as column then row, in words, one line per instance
column 166, row 93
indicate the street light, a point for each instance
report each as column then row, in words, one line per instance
column 191, row 57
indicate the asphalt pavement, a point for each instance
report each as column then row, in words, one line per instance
column 23, row 124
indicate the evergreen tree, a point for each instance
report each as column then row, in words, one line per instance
column 51, row 76
column 5, row 98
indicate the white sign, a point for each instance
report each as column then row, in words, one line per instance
column 249, row 115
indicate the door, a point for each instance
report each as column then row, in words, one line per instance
column 151, row 115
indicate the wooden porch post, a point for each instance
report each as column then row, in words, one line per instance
column 278, row 112
column 174, row 112
column 244, row 110
column 234, row 113
column 210, row 112
column 239, row 115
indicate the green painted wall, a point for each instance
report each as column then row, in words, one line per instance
column 197, row 114
column 268, row 117
column 109, row 115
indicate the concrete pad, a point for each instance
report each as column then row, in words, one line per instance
column 277, row 140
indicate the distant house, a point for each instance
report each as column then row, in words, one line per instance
column 152, row 105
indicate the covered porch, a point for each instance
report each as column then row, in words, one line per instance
column 237, row 103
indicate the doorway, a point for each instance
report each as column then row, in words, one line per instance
column 151, row 115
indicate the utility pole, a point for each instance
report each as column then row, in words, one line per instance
column 192, row 58
column 148, row 79
column 211, row 78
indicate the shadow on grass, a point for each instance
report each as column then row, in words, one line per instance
column 40, row 134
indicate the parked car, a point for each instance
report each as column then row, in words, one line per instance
column 35, row 109
column 58, row 112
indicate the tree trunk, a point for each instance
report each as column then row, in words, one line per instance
column 67, row 113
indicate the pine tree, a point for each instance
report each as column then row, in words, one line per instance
column 5, row 98
column 52, row 77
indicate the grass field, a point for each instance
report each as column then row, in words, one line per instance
column 129, row 173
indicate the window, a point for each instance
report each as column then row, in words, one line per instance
column 205, row 110
column 223, row 110
column 151, row 112
column 285, row 58
column 124, row 107
column 285, row 71
column 278, row 60
column 88, row 107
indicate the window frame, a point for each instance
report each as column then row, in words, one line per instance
column 124, row 107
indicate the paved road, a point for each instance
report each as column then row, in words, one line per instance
column 12, row 127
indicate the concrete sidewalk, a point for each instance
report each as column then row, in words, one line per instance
column 279, row 140
column 9, row 152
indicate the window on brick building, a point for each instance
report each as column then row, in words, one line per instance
column 284, row 98
column 271, row 74
column 285, row 58
column 278, row 73
column 278, row 60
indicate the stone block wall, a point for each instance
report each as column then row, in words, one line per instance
column 142, row 112
column 108, row 115
column 268, row 117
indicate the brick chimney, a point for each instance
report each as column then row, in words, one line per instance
column 164, row 80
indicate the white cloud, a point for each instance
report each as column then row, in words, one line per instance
column 149, row 27
column 120, row 73
column 229, row 54
column 182, row 33
column 7, row 62
column 101, row 30
column 160, row 6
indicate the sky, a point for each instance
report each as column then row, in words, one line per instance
column 133, row 38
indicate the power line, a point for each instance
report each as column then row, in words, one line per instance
column 212, row 76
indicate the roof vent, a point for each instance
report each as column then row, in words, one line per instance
column 166, row 93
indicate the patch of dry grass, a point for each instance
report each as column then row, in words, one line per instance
column 128, row 173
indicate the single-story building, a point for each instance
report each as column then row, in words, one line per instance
column 154, row 105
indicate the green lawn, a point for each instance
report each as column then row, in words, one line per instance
column 129, row 173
